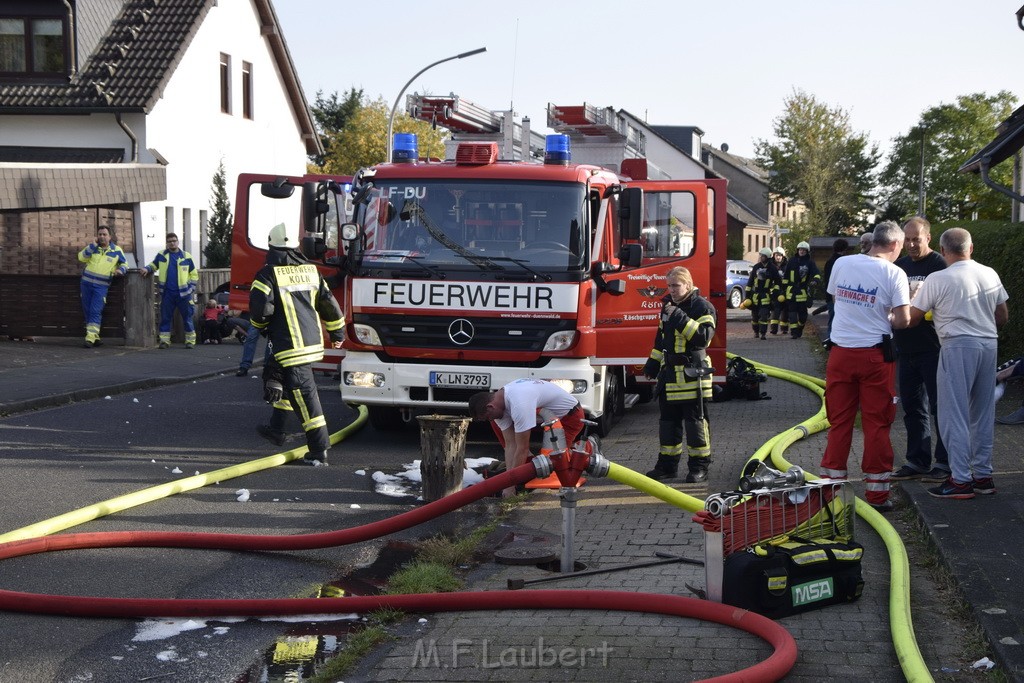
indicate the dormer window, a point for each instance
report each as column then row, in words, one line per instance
column 32, row 47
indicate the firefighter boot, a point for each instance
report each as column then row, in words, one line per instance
column 666, row 468
column 698, row 470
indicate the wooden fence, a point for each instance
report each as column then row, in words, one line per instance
column 51, row 306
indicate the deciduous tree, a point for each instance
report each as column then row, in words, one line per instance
column 951, row 134
column 817, row 158
column 362, row 140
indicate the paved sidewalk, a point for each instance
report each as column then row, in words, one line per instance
column 980, row 540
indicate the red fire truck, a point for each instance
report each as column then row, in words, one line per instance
column 468, row 273
column 516, row 257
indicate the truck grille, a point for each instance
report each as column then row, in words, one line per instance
column 436, row 332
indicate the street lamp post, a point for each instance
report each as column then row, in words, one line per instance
column 394, row 108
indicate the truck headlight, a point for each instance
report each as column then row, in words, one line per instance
column 560, row 341
column 366, row 335
column 573, row 386
column 365, row 380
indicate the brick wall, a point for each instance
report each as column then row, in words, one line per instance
column 46, row 242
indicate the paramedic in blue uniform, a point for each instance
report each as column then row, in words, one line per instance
column 290, row 301
column 176, row 277
column 103, row 261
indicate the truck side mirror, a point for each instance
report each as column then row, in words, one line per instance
column 631, row 255
column 314, row 206
column 631, row 213
column 277, row 189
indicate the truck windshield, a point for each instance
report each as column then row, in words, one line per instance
column 501, row 227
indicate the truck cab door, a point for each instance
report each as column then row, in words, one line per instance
column 683, row 224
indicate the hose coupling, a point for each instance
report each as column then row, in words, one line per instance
column 598, row 465
column 543, row 465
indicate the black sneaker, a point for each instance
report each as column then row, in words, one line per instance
column 907, row 472
column 164, row 345
column 276, row 438
column 951, row 489
column 242, row 372
column 984, row 486
column 935, row 475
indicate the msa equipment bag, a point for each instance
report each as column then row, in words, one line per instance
column 795, row 576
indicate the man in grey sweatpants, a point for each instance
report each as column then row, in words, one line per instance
column 968, row 304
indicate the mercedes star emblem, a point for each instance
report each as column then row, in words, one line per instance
column 461, row 331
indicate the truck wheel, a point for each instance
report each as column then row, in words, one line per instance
column 385, row 419
column 614, row 404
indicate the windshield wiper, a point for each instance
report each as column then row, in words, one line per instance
column 522, row 264
column 417, row 260
column 413, row 208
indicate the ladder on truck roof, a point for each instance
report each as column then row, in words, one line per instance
column 469, row 122
column 589, row 121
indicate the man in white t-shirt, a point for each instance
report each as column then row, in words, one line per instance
column 968, row 305
column 871, row 298
column 521, row 405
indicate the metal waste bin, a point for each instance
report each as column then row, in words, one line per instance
column 443, row 450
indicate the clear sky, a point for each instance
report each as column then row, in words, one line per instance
column 723, row 65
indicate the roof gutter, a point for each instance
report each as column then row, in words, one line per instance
column 986, row 162
column 131, row 136
column 72, row 47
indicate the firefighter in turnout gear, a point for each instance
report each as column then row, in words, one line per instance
column 801, row 274
column 176, row 278
column 780, row 316
column 680, row 363
column 103, row 261
column 763, row 286
column 288, row 303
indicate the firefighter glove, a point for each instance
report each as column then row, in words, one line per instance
column 273, row 391
column 651, row 368
column 673, row 313
column 746, row 303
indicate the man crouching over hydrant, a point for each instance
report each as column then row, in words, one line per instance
column 518, row 407
column 680, row 363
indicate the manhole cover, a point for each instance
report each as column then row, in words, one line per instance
column 524, row 554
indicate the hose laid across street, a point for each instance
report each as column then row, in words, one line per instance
column 35, row 539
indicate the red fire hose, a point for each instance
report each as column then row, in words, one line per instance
column 773, row 668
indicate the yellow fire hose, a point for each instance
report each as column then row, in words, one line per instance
column 97, row 510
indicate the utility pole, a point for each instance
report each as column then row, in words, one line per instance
column 920, row 188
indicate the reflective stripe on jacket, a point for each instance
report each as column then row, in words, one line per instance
column 290, row 299
column 188, row 274
column 684, row 329
column 101, row 264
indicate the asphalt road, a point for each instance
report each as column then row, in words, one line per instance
column 62, row 459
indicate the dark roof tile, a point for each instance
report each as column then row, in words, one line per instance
column 130, row 66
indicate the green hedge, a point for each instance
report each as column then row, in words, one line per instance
column 1000, row 245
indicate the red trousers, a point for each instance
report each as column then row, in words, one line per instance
column 572, row 425
column 860, row 378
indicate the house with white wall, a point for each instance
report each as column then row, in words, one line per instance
column 120, row 111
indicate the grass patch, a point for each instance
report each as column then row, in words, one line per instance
column 433, row 571
column 357, row 645
column 423, row 577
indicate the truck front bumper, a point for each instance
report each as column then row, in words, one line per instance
column 366, row 380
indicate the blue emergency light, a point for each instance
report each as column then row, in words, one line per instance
column 556, row 150
column 406, row 149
